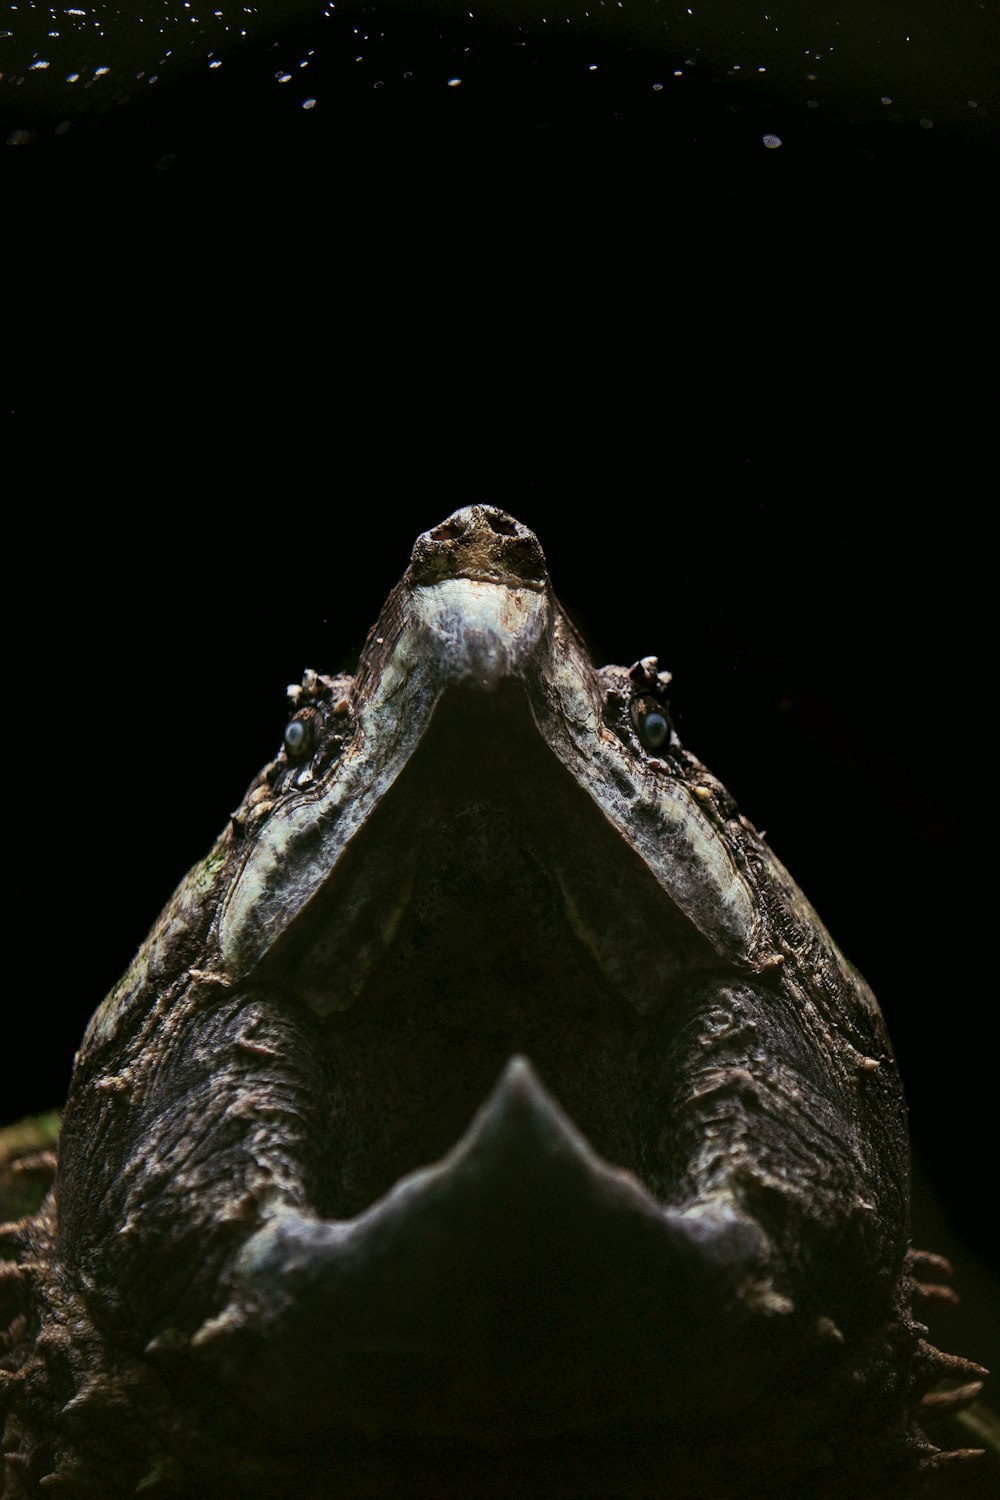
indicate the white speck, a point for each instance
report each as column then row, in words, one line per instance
column 885, row 99
column 76, row 12
column 592, row 68
column 812, row 104
column 772, row 142
column 61, row 128
column 379, row 83
column 20, row 138
column 973, row 103
column 100, row 72
column 72, row 78
column 454, row 82
column 657, row 88
column 309, row 104
column 678, row 73
column 283, row 77
column 216, row 62
column 926, row 124
column 41, row 63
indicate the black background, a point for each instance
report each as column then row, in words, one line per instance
column 747, row 398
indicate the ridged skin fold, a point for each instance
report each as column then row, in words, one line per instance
column 489, row 1113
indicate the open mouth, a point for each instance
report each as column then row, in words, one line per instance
column 485, row 911
column 554, row 1064
column 512, row 1089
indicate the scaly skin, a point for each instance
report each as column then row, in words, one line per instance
column 478, row 858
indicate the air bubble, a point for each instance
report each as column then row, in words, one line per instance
column 772, row 142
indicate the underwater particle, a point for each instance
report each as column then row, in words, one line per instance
column 926, row 124
column 772, row 142
column 309, row 104
column 453, row 83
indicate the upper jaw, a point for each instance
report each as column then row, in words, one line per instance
column 475, row 614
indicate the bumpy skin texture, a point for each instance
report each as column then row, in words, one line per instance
column 669, row 1255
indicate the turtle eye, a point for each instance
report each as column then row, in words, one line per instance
column 654, row 728
column 298, row 738
column 650, row 721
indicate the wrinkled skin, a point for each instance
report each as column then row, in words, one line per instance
column 488, row 1113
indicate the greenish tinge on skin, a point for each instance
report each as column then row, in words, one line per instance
column 611, row 1148
column 23, row 1187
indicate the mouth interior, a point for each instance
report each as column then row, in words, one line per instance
column 487, row 909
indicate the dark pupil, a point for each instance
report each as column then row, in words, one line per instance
column 653, row 729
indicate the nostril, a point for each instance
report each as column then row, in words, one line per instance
column 447, row 531
column 502, row 525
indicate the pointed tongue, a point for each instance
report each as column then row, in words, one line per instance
column 519, row 1287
